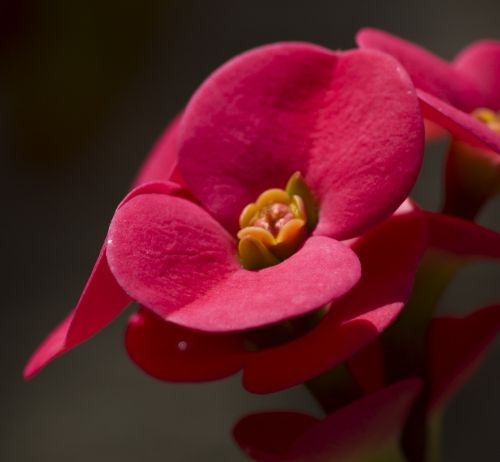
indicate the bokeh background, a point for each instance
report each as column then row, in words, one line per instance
column 86, row 87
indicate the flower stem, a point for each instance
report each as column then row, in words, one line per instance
column 405, row 341
column 434, row 438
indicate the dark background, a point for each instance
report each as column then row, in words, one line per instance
column 85, row 89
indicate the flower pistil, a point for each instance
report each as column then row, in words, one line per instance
column 277, row 224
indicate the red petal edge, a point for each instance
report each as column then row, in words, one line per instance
column 460, row 124
column 161, row 163
column 101, row 301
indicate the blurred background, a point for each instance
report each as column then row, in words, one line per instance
column 85, row 89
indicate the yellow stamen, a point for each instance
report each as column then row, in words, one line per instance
column 296, row 186
column 248, row 213
column 263, row 235
column 488, row 117
column 254, row 254
column 290, row 231
column 290, row 238
column 276, row 224
column 273, row 196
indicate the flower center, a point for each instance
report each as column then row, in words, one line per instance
column 274, row 217
column 277, row 224
column 488, row 117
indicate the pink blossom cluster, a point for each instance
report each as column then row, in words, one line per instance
column 270, row 231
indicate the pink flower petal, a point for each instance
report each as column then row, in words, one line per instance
column 451, row 363
column 448, row 234
column 461, row 237
column 161, row 163
column 361, row 431
column 428, row 72
column 166, row 251
column 389, row 259
column 176, row 354
column 323, row 270
column 52, row 347
column 101, row 301
column 480, row 62
column 449, row 91
column 347, row 121
column 173, row 258
column 460, row 124
column 267, row 436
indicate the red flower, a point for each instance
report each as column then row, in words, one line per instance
column 365, row 430
column 449, row 92
column 372, row 426
column 452, row 346
column 461, row 242
column 453, row 350
column 173, row 353
column 448, row 364
column 350, row 124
